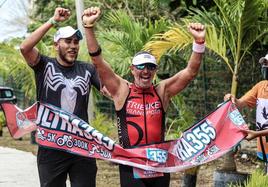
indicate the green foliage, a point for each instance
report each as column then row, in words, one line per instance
column 242, row 29
column 257, row 179
column 142, row 10
column 175, row 39
column 182, row 119
column 125, row 37
column 44, row 9
column 145, row 9
column 170, row 64
column 46, row 43
column 18, row 73
column 103, row 124
column 2, row 119
column 232, row 31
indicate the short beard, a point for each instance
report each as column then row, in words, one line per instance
column 62, row 57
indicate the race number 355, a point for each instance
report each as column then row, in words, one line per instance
column 157, row 155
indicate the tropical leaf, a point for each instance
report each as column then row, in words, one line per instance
column 183, row 120
column 240, row 24
column 18, row 70
column 177, row 38
column 218, row 47
column 126, row 37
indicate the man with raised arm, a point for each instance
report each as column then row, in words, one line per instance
column 141, row 106
column 63, row 82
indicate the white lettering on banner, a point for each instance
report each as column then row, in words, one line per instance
column 80, row 144
column 49, row 117
column 45, row 123
column 55, row 122
column 236, row 117
column 206, row 155
column 194, row 141
column 51, row 137
column 65, row 126
column 67, row 140
column 101, row 152
column 77, row 130
column 39, row 114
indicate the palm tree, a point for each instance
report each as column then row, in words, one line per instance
column 126, row 36
column 244, row 23
column 232, row 30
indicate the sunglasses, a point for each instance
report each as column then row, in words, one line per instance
column 148, row 66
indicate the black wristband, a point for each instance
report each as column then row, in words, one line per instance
column 96, row 53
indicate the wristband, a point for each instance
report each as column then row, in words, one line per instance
column 52, row 21
column 88, row 25
column 96, row 53
column 199, row 48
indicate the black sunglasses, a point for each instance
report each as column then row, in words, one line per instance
column 148, row 66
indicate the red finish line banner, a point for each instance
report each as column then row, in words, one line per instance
column 207, row 140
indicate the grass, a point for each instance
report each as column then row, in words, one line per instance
column 24, row 144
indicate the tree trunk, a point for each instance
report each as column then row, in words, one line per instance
column 229, row 162
column 228, row 159
column 234, row 81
